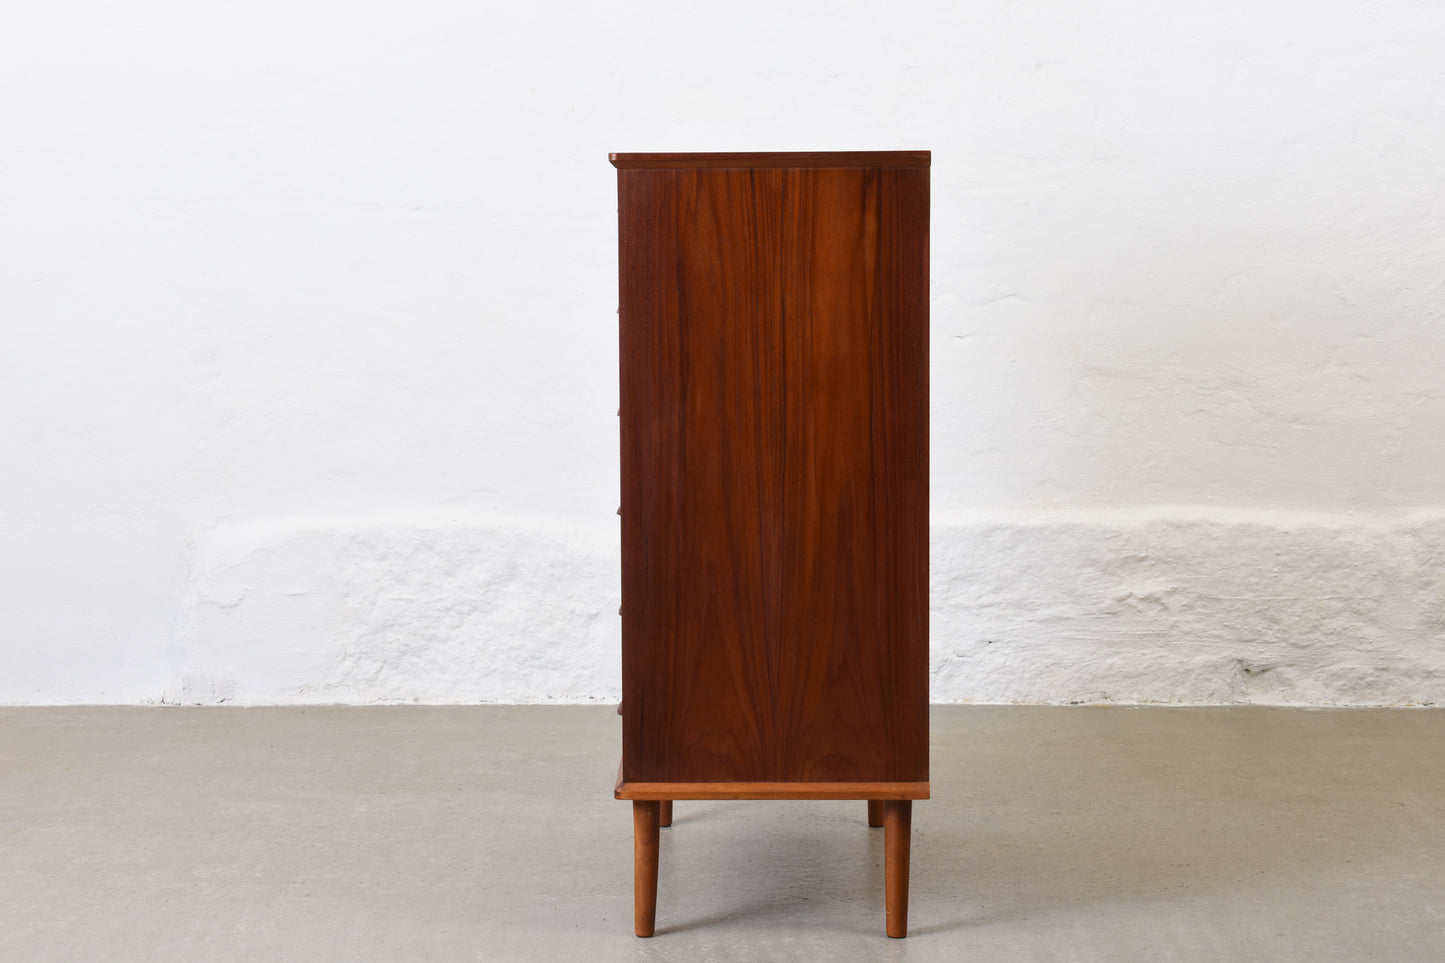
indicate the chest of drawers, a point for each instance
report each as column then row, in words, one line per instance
column 774, row 428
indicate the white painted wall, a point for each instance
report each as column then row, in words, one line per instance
column 308, row 379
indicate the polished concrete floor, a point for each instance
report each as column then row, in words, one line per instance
column 489, row 833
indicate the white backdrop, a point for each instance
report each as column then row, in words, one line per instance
column 309, row 370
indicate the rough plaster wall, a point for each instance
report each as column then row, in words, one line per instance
column 1180, row 606
column 309, row 372
column 403, row 608
column 1165, row 606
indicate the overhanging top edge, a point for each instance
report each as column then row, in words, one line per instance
column 839, row 158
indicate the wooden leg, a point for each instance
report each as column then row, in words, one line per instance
column 897, row 830
column 644, row 866
column 664, row 813
column 875, row 813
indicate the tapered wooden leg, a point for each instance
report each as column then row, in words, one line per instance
column 664, row 813
column 897, row 831
column 644, row 866
column 875, row 813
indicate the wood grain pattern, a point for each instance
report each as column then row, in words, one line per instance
column 852, row 158
column 774, row 352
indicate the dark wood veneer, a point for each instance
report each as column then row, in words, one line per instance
column 854, row 158
column 774, row 426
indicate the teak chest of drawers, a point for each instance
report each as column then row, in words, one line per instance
column 774, row 426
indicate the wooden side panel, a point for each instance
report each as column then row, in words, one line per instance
column 774, row 472
column 700, row 340
column 853, row 685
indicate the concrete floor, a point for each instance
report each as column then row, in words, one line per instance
column 489, row 833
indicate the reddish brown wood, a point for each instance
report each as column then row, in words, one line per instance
column 774, row 342
column 850, row 158
column 664, row 812
column 875, row 813
column 774, row 424
column 644, row 866
column 853, row 690
column 771, row 790
column 897, row 839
